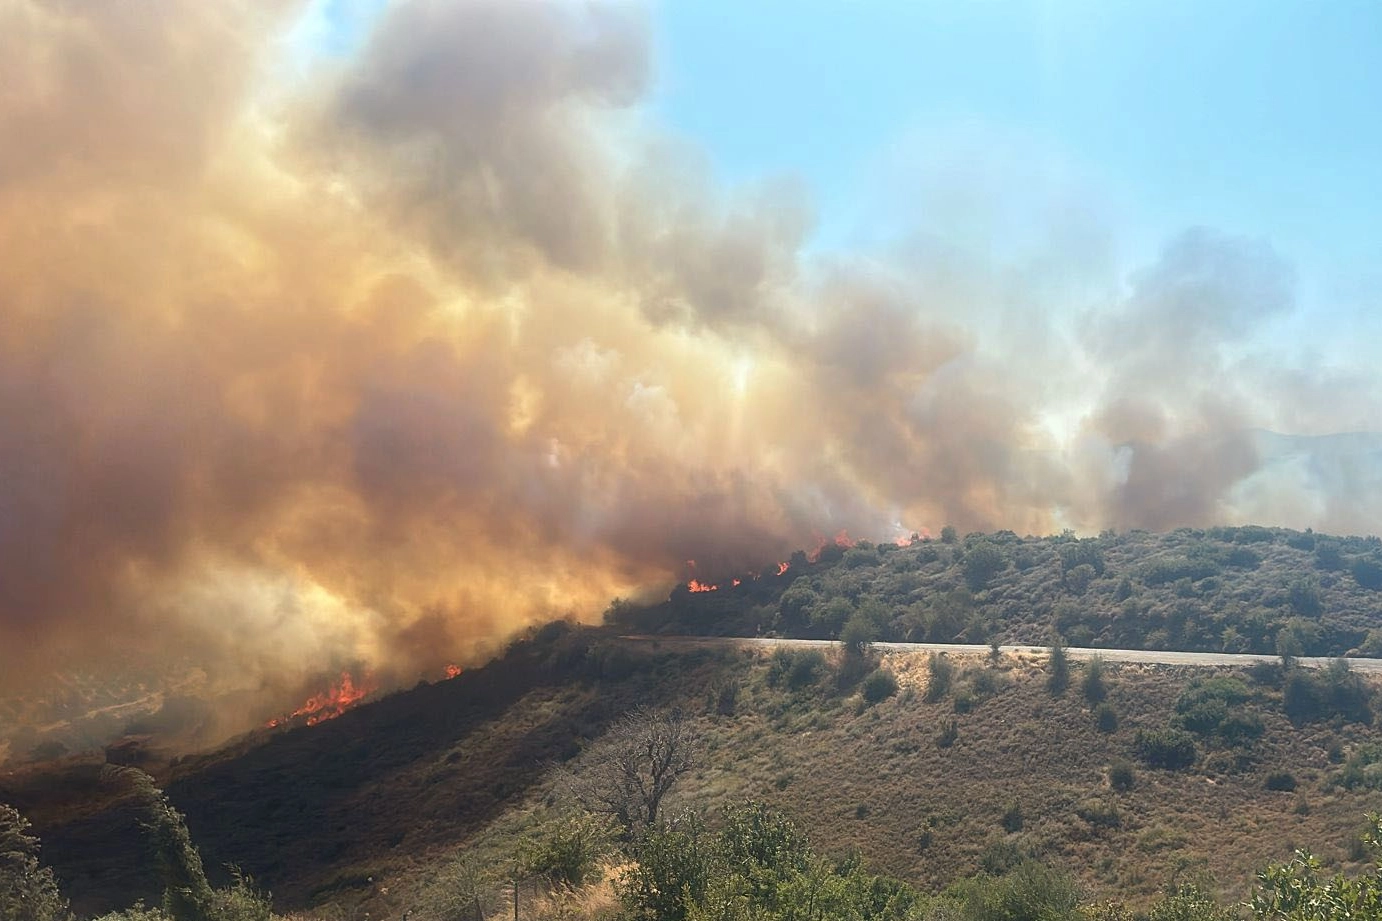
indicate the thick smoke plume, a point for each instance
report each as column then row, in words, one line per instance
column 379, row 358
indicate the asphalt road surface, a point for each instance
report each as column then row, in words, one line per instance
column 1145, row 656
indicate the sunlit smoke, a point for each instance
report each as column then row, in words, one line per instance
column 379, row 356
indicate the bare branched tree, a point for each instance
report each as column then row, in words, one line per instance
column 630, row 771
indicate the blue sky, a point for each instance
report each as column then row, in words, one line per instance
column 1258, row 118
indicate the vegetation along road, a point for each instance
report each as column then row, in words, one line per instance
column 1144, row 656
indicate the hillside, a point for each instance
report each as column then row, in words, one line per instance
column 928, row 786
column 1248, row 589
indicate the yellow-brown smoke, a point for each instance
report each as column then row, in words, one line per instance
column 382, row 358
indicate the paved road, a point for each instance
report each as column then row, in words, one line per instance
column 1151, row 657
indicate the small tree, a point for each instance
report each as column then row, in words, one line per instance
column 1059, row 678
column 941, row 677
column 635, row 766
column 1093, row 684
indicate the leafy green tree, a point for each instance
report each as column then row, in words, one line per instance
column 674, row 864
column 858, row 633
column 1299, row 890
column 28, row 891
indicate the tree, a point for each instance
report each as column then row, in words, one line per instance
column 1059, row 678
column 1368, row 573
column 858, row 633
column 1298, row 890
column 28, row 891
column 187, row 896
column 982, row 563
column 636, row 765
column 674, row 864
column 1093, row 685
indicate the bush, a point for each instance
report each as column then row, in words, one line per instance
column 1368, row 573
column 566, row 851
column 1012, row 820
column 1093, row 684
column 947, row 734
column 1059, row 677
column 1171, row 749
column 983, row 562
column 1099, row 814
column 1283, row 781
column 1074, row 554
column 1105, row 718
column 727, row 697
column 879, row 685
column 1029, row 891
column 1121, row 776
column 942, row 676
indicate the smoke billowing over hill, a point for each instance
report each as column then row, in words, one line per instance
column 308, row 360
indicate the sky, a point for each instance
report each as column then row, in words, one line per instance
column 349, row 331
column 1254, row 117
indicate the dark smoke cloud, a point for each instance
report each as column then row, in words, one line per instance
column 382, row 363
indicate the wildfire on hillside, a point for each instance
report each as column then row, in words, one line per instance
column 841, row 540
column 339, row 697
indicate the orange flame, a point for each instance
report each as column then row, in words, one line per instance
column 781, row 568
column 331, row 703
column 841, row 540
column 696, row 585
column 734, row 582
column 452, row 671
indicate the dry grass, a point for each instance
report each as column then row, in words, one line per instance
column 389, row 795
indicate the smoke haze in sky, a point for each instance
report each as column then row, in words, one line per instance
column 384, row 356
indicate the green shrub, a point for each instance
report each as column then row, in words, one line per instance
column 727, row 697
column 1171, row 749
column 1099, row 813
column 1105, row 718
column 1368, row 573
column 1012, row 820
column 565, row 851
column 1283, row 781
column 1121, row 776
column 1093, row 684
column 942, row 674
column 879, row 685
column 982, row 562
column 1058, row 678
column 947, row 734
